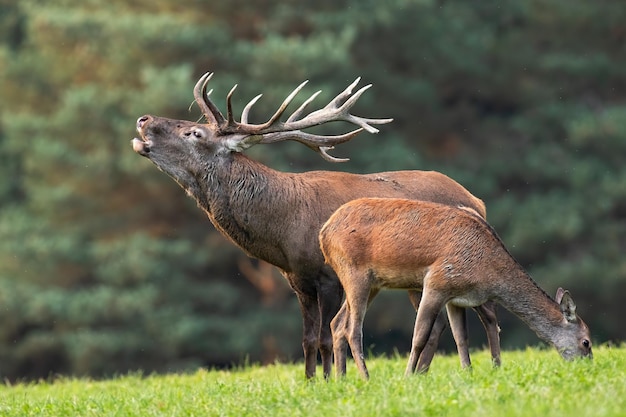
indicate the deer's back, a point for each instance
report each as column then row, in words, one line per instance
column 341, row 187
column 399, row 239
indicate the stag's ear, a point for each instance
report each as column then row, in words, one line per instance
column 568, row 308
column 237, row 143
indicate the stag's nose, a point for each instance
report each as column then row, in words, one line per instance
column 142, row 121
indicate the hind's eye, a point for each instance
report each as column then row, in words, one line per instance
column 586, row 343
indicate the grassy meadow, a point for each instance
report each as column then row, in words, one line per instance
column 532, row 382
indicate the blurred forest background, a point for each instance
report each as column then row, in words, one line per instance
column 106, row 266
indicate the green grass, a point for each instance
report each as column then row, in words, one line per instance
column 530, row 383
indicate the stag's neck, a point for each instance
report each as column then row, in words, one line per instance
column 523, row 297
column 247, row 201
column 236, row 186
column 234, row 181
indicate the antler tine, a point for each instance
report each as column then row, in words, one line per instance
column 360, row 121
column 282, row 107
column 229, row 106
column 210, row 110
column 365, row 123
column 322, row 151
column 350, row 101
column 345, row 93
column 199, row 92
column 246, row 110
column 344, row 109
column 300, row 110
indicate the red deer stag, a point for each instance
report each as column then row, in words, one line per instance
column 276, row 216
column 449, row 253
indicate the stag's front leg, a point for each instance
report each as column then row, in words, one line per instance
column 310, row 332
column 330, row 294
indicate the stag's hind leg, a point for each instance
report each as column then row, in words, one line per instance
column 339, row 330
column 342, row 330
column 330, row 294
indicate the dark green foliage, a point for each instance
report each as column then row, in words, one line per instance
column 106, row 266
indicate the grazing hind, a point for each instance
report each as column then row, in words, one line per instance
column 450, row 254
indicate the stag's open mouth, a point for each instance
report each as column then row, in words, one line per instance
column 142, row 144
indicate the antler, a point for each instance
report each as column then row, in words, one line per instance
column 275, row 130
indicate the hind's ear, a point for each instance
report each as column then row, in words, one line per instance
column 566, row 302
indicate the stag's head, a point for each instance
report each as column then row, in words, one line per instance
column 181, row 148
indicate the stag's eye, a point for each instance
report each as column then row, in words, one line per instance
column 586, row 343
column 196, row 133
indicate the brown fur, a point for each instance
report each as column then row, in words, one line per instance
column 450, row 254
